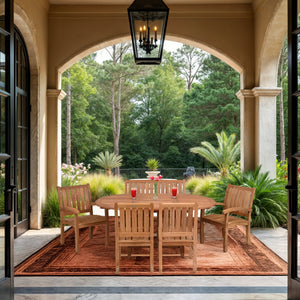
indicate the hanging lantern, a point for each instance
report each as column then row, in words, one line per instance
column 148, row 22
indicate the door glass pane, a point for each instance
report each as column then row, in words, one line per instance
column 24, row 143
column 298, row 55
column 2, row 124
column 19, row 207
column 2, row 14
column 2, row 61
column 298, row 252
column 24, row 205
column 2, row 251
column 24, row 174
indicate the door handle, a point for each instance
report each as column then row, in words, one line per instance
column 12, row 190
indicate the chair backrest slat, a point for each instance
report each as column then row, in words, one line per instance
column 145, row 187
column 178, row 220
column 77, row 196
column 239, row 196
column 135, row 220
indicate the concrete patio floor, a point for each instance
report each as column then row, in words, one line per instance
column 154, row 287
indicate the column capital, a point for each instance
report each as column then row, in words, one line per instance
column 57, row 94
column 266, row 92
column 241, row 94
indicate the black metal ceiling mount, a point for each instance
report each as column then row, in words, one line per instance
column 148, row 21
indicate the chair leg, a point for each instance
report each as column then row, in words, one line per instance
column 225, row 238
column 201, row 232
column 182, row 251
column 195, row 257
column 106, row 228
column 117, row 254
column 151, row 258
column 248, row 235
column 76, row 239
column 91, row 231
column 62, row 234
column 160, row 256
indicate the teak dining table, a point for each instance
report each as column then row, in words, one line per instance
column 108, row 202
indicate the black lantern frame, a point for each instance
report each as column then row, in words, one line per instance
column 148, row 21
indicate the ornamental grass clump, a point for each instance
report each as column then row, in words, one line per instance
column 50, row 210
column 103, row 185
column 200, row 185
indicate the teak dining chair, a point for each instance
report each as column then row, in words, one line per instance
column 143, row 187
column 238, row 201
column 76, row 200
column 177, row 226
column 134, row 228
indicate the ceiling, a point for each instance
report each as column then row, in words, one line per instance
column 128, row 2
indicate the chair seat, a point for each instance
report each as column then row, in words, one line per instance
column 219, row 219
column 85, row 220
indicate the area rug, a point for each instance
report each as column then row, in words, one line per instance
column 96, row 259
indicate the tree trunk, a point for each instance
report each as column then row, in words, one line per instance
column 68, row 138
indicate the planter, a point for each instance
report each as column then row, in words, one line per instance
column 152, row 173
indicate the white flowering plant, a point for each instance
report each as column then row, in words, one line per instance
column 71, row 174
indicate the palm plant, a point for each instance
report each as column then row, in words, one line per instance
column 270, row 201
column 108, row 161
column 223, row 156
column 152, row 164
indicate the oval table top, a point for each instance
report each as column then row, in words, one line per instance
column 108, row 202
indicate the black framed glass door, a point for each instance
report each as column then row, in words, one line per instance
column 7, row 173
column 22, row 116
column 293, row 149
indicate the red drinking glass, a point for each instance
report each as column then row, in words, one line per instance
column 174, row 192
column 133, row 193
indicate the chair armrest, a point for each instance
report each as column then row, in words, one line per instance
column 67, row 210
column 236, row 209
column 219, row 203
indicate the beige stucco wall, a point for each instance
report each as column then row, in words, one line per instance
column 270, row 32
column 223, row 30
column 31, row 17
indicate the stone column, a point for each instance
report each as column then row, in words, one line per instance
column 265, row 129
column 247, row 130
column 54, row 98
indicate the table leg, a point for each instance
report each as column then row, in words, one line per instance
column 106, row 228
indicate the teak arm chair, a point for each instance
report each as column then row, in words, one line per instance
column 177, row 226
column 134, row 228
column 238, row 201
column 76, row 201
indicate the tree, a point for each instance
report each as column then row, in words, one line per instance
column 189, row 60
column 108, row 161
column 212, row 104
column 222, row 157
column 159, row 103
column 116, row 82
column 81, row 89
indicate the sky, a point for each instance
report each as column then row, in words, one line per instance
column 102, row 54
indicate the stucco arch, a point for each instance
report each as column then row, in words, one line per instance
column 91, row 49
column 272, row 41
column 77, row 31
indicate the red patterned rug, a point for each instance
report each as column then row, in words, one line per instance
column 95, row 259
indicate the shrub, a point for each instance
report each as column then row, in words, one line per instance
column 50, row 210
column 71, row 175
column 103, row 185
column 270, row 201
column 200, row 185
